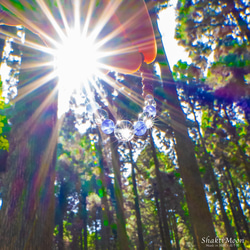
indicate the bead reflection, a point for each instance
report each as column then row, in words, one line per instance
column 124, row 131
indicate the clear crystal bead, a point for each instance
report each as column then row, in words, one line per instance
column 92, row 107
column 100, row 115
column 124, row 131
column 149, row 100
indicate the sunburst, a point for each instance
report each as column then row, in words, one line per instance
column 85, row 40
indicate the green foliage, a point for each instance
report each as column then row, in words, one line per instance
column 216, row 34
column 4, row 126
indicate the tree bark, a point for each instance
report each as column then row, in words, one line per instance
column 27, row 215
column 85, row 219
column 246, row 204
column 105, row 230
column 159, row 217
column 195, row 194
column 121, row 221
column 175, row 231
column 62, row 204
column 238, row 207
column 214, row 180
column 161, row 195
column 235, row 219
column 137, row 204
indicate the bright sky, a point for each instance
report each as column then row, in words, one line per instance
column 167, row 27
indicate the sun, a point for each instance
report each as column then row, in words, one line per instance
column 86, row 40
column 76, row 58
column 76, row 62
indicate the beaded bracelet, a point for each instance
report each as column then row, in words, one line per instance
column 124, row 130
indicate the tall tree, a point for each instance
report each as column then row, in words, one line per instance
column 218, row 31
column 27, row 214
column 196, row 199
column 136, row 198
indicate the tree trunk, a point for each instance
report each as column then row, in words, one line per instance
column 235, row 218
column 241, row 216
column 137, row 204
column 159, row 216
column 121, row 222
column 62, row 204
column 27, row 215
column 246, row 204
column 105, row 229
column 195, row 194
column 85, row 219
column 214, row 181
column 236, row 138
column 161, row 195
column 96, row 231
column 175, row 232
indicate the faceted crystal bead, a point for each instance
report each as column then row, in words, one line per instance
column 107, row 126
column 100, row 115
column 140, row 128
column 152, row 103
column 149, row 100
column 124, row 131
column 92, row 107
column 151, row 110
column 147, row 119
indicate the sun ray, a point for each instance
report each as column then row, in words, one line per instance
column 30, row 125
column 36, row 65
column 33, row 85
column 48, row 155
column 89, row 14
column 107, row 35
column 51, row 18
column 77, row 21
column 30, row 44
column 124, row 90
column 28, row 23
column 104, row 18
column 62, row 13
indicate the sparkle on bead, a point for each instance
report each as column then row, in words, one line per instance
column 124, row 131
column 149, row 122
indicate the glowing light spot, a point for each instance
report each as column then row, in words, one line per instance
column 76, row 59
column 76, row 62
column 124, row 131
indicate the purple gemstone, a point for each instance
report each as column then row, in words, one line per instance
column 108, row 126
column 140, row 128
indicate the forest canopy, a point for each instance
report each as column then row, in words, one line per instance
column 141, row 156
